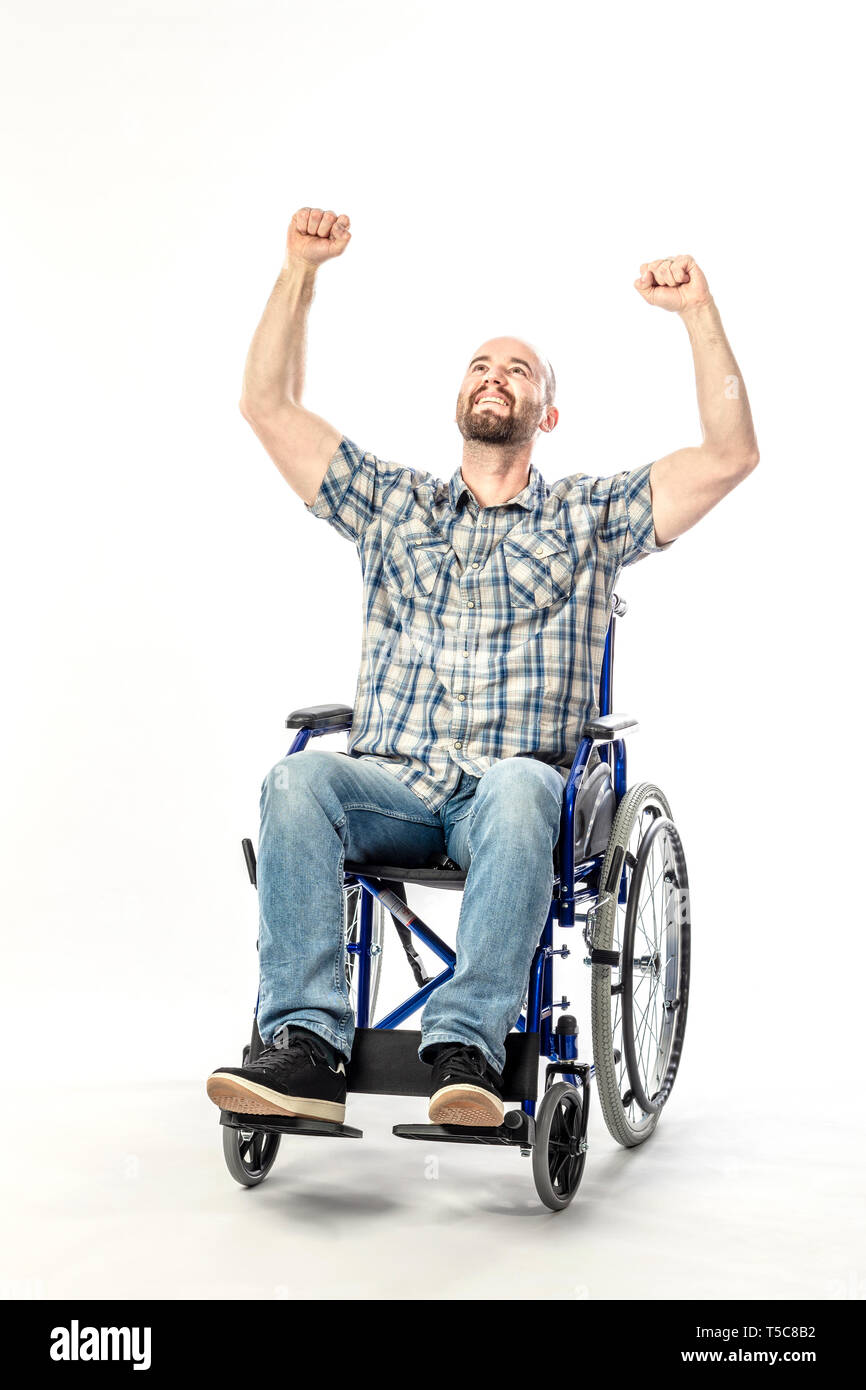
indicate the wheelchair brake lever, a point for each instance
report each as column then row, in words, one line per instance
column 589, row 919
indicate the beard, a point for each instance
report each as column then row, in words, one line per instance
column 513, row 425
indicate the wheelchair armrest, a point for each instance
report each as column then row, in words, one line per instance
column 321, row 717
column 609, row 726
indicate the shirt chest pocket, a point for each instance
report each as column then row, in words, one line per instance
column 413, row 560
column 540, row 568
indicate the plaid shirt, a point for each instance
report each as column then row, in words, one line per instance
column 484, row 626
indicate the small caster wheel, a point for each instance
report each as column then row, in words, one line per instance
column 249, row 1154
column 559, row 1154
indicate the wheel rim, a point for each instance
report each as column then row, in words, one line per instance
column 654, row 981
column 636, row 1118
column 626, row 1116
column 559, row 1151
column 256, row 1151
column 564, row 1159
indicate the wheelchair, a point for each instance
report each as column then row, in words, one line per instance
column 620, row 874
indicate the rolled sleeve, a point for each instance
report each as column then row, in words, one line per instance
column 623, row 516
column 641, row 538
column 347, row 496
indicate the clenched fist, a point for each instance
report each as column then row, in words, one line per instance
column 316, row 236
column 675, row 283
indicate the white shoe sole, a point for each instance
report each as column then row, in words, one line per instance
column 465, row 1105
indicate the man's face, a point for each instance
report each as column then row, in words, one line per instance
column 502, row 397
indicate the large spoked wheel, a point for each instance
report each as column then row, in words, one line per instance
column 249, row 1154
column 559, row 1152
column 639, row 1006
column 353, row 930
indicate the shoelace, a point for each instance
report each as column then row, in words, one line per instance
column 462, row 1058
column 274, row 1055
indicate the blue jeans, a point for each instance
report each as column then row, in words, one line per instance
column 320, row 808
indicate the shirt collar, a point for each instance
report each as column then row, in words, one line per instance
column 531, row 495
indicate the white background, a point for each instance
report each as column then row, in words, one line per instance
column 507, row 168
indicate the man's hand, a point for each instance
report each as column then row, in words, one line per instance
column 316, row 236
column 676, row 283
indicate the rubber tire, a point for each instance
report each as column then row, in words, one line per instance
column 607, row 1083
column 548, row 1110
column 232, row 1142
column 661, row 827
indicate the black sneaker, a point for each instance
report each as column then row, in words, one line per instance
column 292, row 1076
column 465, row 1090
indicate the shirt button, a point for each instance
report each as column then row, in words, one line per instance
column 470, row 604
column 539, row 551
column 461, row 697
column 457, row 743
column 475, row 565
column 465, row 653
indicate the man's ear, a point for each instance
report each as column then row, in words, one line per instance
column 549, row 421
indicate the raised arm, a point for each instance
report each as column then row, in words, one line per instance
column 689, row 482
column 300, row 443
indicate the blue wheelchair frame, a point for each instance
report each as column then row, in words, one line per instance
column 574, row 885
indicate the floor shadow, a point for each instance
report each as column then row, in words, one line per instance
column 315, row 1205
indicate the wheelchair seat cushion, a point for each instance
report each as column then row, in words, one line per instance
column 434, row 875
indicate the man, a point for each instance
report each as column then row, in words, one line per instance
column 487, row 601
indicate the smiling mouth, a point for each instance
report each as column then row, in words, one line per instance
column 491, row 400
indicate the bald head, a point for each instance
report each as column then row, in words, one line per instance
column 550, row 379
column 517, row 350
column 507, row 394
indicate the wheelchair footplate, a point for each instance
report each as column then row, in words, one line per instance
column 516, row 1128
column 288, row 1124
